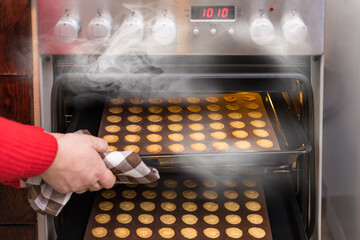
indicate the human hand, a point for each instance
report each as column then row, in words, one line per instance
column 78, row 166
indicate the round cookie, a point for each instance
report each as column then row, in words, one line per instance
column 174, row 100
column 235, row 115
column 169, row 194
column 190, row 183
column 102, row 218
column 255, row 218
column 154, row 118
column 197, row 136
column 249, row 98
column 170, row 183
column 122, row 232
column 134, row 119
column 230, row 194
column 127, row 206
column 230, row 98
column 258, row 123
column 189, row 206
column 232, row 106
column 113, row 119
column 194, row 108
column 149, row 194
column 221, row 146
column 211, row 219
column 217, row 125
column 167, row 219
column 210, row 194
column 218, row 135
column 152, row 184
column 174, row 109
column 106, row 206
column 195, row 117
column 189, row 233
column 215, row 116
column 111, row 138
column 255, row 114
column 176, row 137
column 175, row 117
column 212, row 99
column 233, row 219
column 132, row 138
column 253, row 206
column 234, row 232
column 211, row 232
column 112, row 128
column 176, row 148
column 129, row 194
column 136, row 100
column 252, row 105
column 144, row 232
column 189, row 194
column 257, row 232
column 155, row 100
column 135, row 109
column 193, row 99
column 242, row 144
column 166, row 232
column 131, row 185
column 249, row 182
column 199, row 147
column 146, row 218
column 210, row 183
column 117, row 101
column 168, row 206
column 189, row 219
column 108, row 194
column 237, row 124
column 232, row 206
column 213, row 107
column 147, row 206
column 154, row 128
column 133, row 148
column 112, row 148
column 124, row 218
column 154, row 148
column 196, row 126
column 264, row 143
column 99, row 232
column 229, row 183
column 133, row 128
column 252, row 194
column 261, row 133
column 155, row 109
column 211, row 206
column 175, row 127
column 240, row 134
column 154, row 137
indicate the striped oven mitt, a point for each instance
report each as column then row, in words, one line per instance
column 127, row 166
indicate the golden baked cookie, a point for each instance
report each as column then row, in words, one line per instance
column 210, row 183
column 154, row 137
column 114, row 119
column 249, row 98
column 229, row 183
column 155, row 100
column 135, row 109
column 218, row 135
column 99, row 232
column 210, row 194
column 168, row 206
column 221, row 146
column 189, row 219
column 127, row 206
column 176, row 137
column 213, row 107
column 189, row 206
column 199, row 147
column 106, row 206
column 235, row 115
column 211, row 232
column 255, row 114
column 144, row 232
column 132, row 138
column 215, row 116
column 189, row 194
column 189, row 233
column 149, row 194
column 152, row 184
column 154, row 148
column 240, row 134
column 194, row 108
column 174, row 109
column 155, row 109
column 230, row 98
column 133, row 128
column 264, row 143
column 154, row 128
column 230, row 194
column 108, row 194
column 212, row 99
column 167, row 219
column 136, row 100
column 112, row 128
column 190, row 183
column 232, row 206
column 170, row 183
column 116, row 110
column 134, row 119
column 102, row 218
column 131, row 185
column 211, row 206
column 122, row 232
column 175, row 117
column 196, row 126
column 193, row 99
column 233, row 219
column 237, row 124
column 257, row 232
column 232, row 106
column 234, row 232
column 258, row 123
column 133, row 148
column 176, row 148
column 124, row 218
column 252, row 105
column 147, row 206
column 255, row 218
column 169, row 194
column 154, row 118
column 211, row 219
column 216, row 125
column 249, row 182
column 174, row 100
column 117, row 101
column 261, row 133
column 253, row 206
column 175, row 127
column 242, row 144
column 166, row 232
column 252, row 194
column 111, row 138
column 112, row 148
column 195, row 117
column 198, row 136
column 146, row 218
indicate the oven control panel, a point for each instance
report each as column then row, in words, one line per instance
column 211, row 27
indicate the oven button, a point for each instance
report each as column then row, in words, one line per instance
column 196, row 31
column 67, row 29
column 262, row 31
column 164, row 31
column 99, row 27
column 294, row 30
column 213, row 31
column 231, row 31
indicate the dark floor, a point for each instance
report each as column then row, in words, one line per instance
column 325, row 231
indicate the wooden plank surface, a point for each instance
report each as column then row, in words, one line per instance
column 17, row 233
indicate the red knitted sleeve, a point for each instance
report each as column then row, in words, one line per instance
column 25, row 151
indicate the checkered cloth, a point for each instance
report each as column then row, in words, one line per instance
column 127, row 166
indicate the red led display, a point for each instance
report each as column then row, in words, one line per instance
column 212, row 13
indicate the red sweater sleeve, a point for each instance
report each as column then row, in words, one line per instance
column 25, row 151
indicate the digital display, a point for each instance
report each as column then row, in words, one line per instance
column 212, row 13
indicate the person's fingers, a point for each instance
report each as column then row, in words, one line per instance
column 81, row 191
column 107, row 180
column 99, row 144
column 95, row 187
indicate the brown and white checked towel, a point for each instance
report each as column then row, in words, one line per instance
column 127, row 166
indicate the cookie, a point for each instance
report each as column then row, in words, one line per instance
column 232, row 106
column 149, row 194
column 195, row 117
column 152, row 184
column 253, row 206
column 189, row 194
column 127, row 206
column 155, row 100
column 147, row 206
column 154, row 137
column 133, row 148
column 176, row 137
column 99, row 232
column 132, row 138
column 113, row 119
column 116, row 110
column 218, row 135
column 175, row 127
column 229, row 183
column 212, row 99
column 234, row 232
column 124, row 218
column 189, row 206
column 198, row 147
column 102, row 218
column 133, row 128
column 174, row 100
column 155, row 109
column 249, row 182
column 240, row 134
column 211, row 206
column 135, row 109
column 261, row 133
column 108, row 194
column 175, row 117
column 112, row 128
column 189, row 219
column 258, row 123
column 213, row 107
column 174, row 109
column 106, row 206
column 131, row 185
column 194, row 108
column 176, row 148
column 190, row 183
column 112, row 148
column 255, row 114
column 264, row 143
column 167, row 219
column 144, row 232
column 210, row 183
column 154, row 128
column 252, row 106
column 233, row 219
column 221, row 146
column 168, row 206
column 252, row 194
column 235, row 115
column 169, row 194
column 217, row 125
column 249, row 98
column 214, row 116
column 122, row 232
column 210, row 194
column 255, row 218
column 154, row 118
column 117, row 101
column 134, row 119
column 166, row 232
column 189, row 233
column 129, row 194
column 154, row 148
column 193, row 99
column 211, row 232
column 230, row 98
column 196, row 126
column 232, row 206
column 136, row 100
column 230, row 194
column 197, row 136
column 170, row 183
column 146, row 218
column 111, row 138
column 237, row 124
column 257, row 232
column 211, row 219
column 242, row 144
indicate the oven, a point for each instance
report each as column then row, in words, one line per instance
column 205, row 91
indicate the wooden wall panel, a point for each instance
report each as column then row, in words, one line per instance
column 17, row 233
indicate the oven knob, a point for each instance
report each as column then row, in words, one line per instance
column 262, row 31
column 99, row 27
column 294, row 30
column 67, row 29
column 213, row 31
column 164, row 31
column 132, row 29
